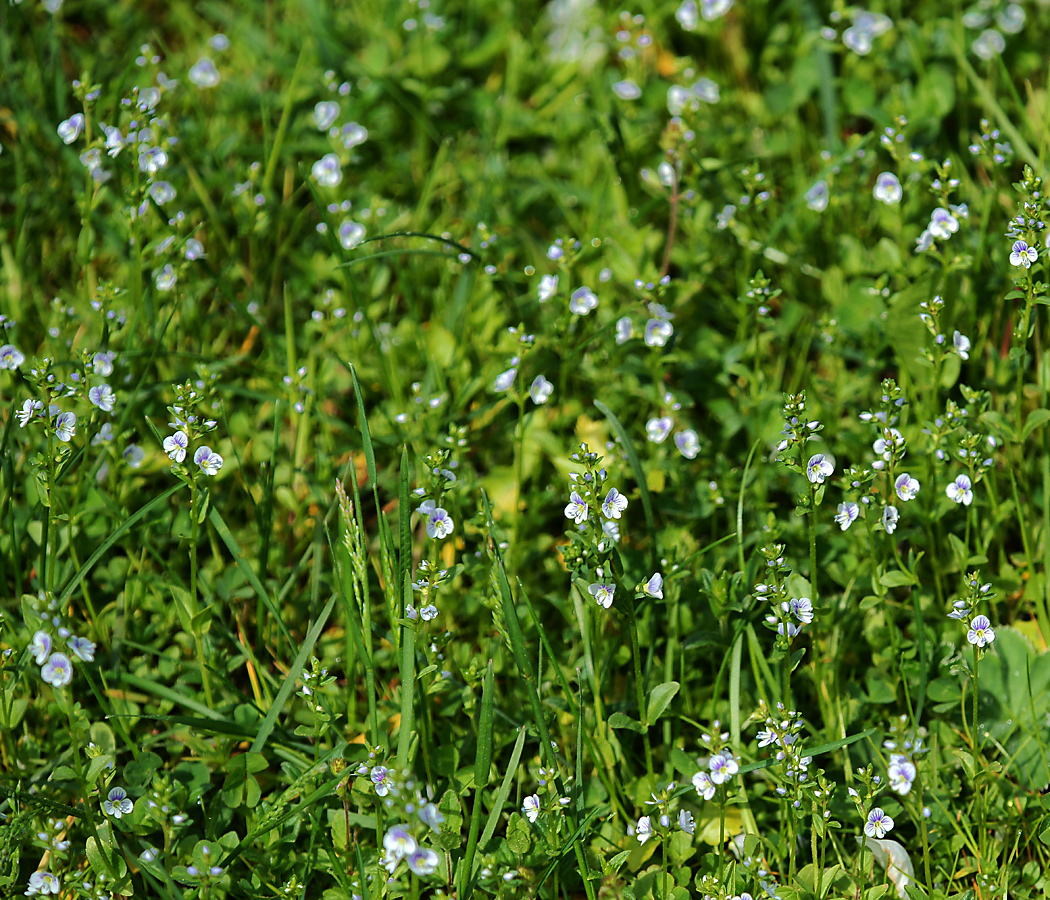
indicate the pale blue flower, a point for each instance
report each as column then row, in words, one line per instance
column 818, row 468
column 531, row 807
column 847, row 514
column 102, row 363
column 43, row 883
column 102, row 396
column 576, row 509
column 548, row 287
column 960, row 490
column 41, row 647
column 165, row 278
column 888, row 189
column 327, row 170
column 723, row 767
column 209, row 461
column 602, row 593
column 889, row 519
column 962, row 345
column 1022, row 255
column 175, row 445
column 705, row 787
column 541, row 390
column 29, row 409
column 624, row 330
column 654, row 587
column 439, row 522
column 582, row 301
column 688, row 443
column 879, row 824
column 325, row 114
column 686, row 822
column 906, row 486
column 657, row 429
column 11, row 357
column 81, row 647
column 943, row 224
column 69, row 129
column 118, row 803
column 423, row 861
column 203, row 73
column 505, row 379
column 58, row 670
column 65, row 426
column 614, row 504
column 627, row 90
column 981, row 632
column 802, row 609
column 644, row 829
column 657, row 332
column 817, row 196
column 351, row 234
column 902, row 773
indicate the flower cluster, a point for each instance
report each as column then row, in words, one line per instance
column 788, row 615
column 721, row 764
column 980, row 632
column 783, row 732
column 190, row 427
column 56, row 667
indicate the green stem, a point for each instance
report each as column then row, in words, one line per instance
column 194, row 536
column 639, row 686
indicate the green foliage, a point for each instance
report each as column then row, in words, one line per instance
column 524, row 450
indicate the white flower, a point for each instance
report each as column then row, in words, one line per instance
column 69, row 129
column 802, row 609
column 327, row 170
column 102, row 396
column 209, row 461
column 175, row 446
column 102, row 363
column 43, row 883
column 1022, row 255
column 705, row 787
column 705, row 89
column 11, row 357
column 657, row 332
column 888, row 189
column 165, row 278
column 82, row 647
column 29, row 409
column 962, row 345
column 677, row 99
column 531, row 807
column 889, row 519
column 614, row 504
column 960, row 490
column 688, row 443
column 644, row 829
column 627, row 90
column 439, row 522
column 906, row 486
column 325, row 114
column 582, row 301
column 879, row 824
column 541, row 390
column 654, row 587
column 504, row 380
column 817, row 196
column 714, row 9
column 686, row 822
column 576, row 509
column 818, row 468
column 548, row 287
column 688, row 15
column 602, row 593
column 65, row 426
column 902, row 773
column 203, row 73
column 989, row 44
column 981, row 632
column 624, row 330
column 943, row 224
column 351, row 234
column 723, row 767
column 41, row 647
column 658, row 429
column 58, row 670
column 118, row 803
column 847, row 514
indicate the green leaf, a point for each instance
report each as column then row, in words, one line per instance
column 898, row 578
column 659, row 698
column 622, row 720
column 1036, row 419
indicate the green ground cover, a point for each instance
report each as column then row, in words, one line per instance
column 524, row 450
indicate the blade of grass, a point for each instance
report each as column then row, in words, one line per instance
column 407, row 666
column 482, row 764
column 501, row 797
column 220, row 526
column 270, row 719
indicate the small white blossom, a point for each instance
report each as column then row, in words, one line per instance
column 981, row 632
column 888, row 189
column 209, row 461
column 1022, row 255
column 582, row 301
column 818, row 468
column 654, row 587
column 879, row 824
column 658, row 429
column 614, row 504
column 889, row 519
column 531, row 807
column 541, row 390
column 960, row 490
column 906, row 487
column 644, row 829
column 548, row 287
column 576, row 509
column 962, row 345
column 847, row 514
column 602, row 593
column 175, row 445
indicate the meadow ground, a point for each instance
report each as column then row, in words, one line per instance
column 464, row 449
